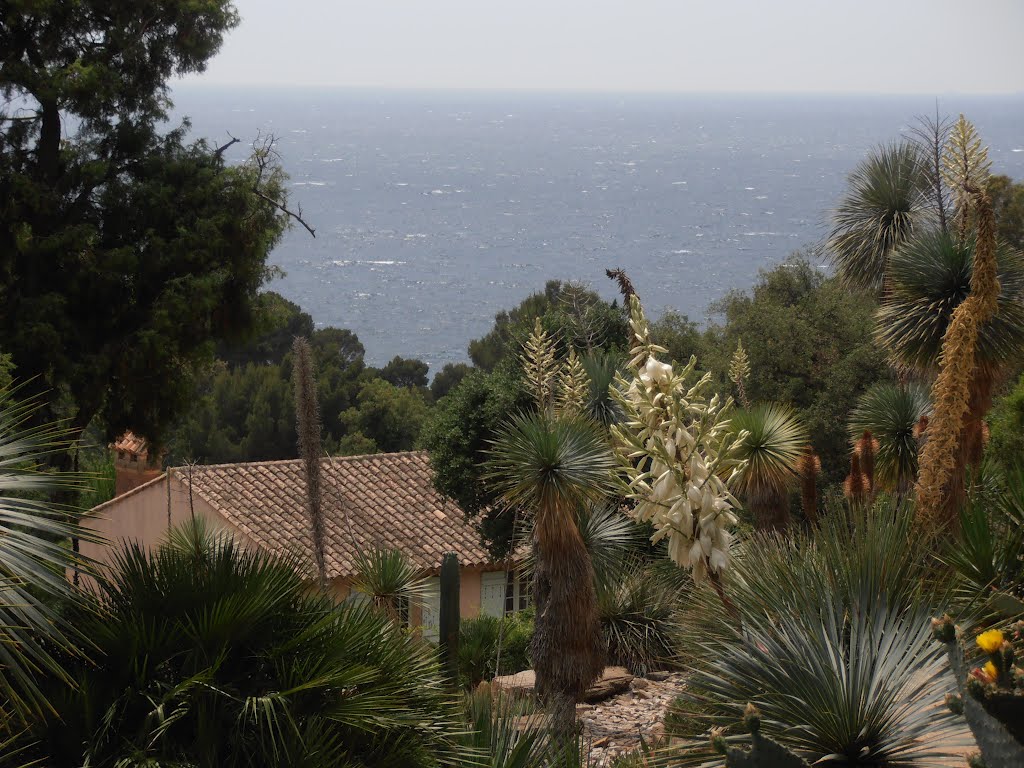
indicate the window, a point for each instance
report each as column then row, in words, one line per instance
column 517, row 592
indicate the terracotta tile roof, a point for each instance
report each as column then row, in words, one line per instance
column 130, row 443
column 382, row 500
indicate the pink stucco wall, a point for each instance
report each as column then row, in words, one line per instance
column 141, row 515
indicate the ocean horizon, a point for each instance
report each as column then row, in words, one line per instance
column 436, row 209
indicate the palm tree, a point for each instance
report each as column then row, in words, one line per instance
column 33, row 561
column 552, row 465
column 886, row 201
column 208, row 653
column 891, row 413
column 775, row 442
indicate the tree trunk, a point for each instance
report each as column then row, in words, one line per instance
column 568, row 649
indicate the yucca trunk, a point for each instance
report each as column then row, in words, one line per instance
column 567, row 647
column 769, row 507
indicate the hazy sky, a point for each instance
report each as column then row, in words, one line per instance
column 876, row 46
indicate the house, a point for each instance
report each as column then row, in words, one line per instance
column 384, row 501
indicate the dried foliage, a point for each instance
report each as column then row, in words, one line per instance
column 808, row 468
column 940, row 486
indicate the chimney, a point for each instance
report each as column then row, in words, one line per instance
column 132, row 466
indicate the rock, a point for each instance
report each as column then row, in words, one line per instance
column 639, row 684
column 614, row 681
column 658, row 677
column 519, row 684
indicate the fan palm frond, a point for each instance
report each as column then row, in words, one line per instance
column 891, row 413
column 34, row 556
column 886, row 201
column 930, row 278
column 775, row 441
column 209, row 653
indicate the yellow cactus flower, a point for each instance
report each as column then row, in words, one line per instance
column 990, row 641
column 990, row 670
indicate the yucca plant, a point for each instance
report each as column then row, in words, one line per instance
column 891, row 412
column 601, row 368
column 208, row 653
column 504, row 732
column 886, row 201
column 613, row 541
column 988, row 557
column 551, row 465
column 638, row 617
column 772, row 448
column 390, row 581
column 931, row 276
column 834, row 647
column 35, row 560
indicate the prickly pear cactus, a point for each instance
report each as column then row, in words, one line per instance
column 991, row 697
column 763, row 753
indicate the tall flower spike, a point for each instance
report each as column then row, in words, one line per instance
column 739, row 372
column 965, row 166
column 939, row 488
column 539, row 365
column 678, row 454
column 573, row 386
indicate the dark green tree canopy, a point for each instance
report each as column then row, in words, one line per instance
column 405, row 372
column 571, row 312
column 126, row 252
column 1008, row 203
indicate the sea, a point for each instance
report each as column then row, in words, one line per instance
column 435, row 210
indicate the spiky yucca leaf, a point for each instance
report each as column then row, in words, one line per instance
column 989, row 554
column 551, row 465
column 775, row 439
column 601, row 368
column 931, row 277
column 834, row 647
column 390, row 581
column 885, row 203
column 891, row 413
column 639, row 615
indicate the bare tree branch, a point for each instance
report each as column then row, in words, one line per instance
column 265, row 158
column 219, row 151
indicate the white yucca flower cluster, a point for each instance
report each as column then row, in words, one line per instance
column 679, row 454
